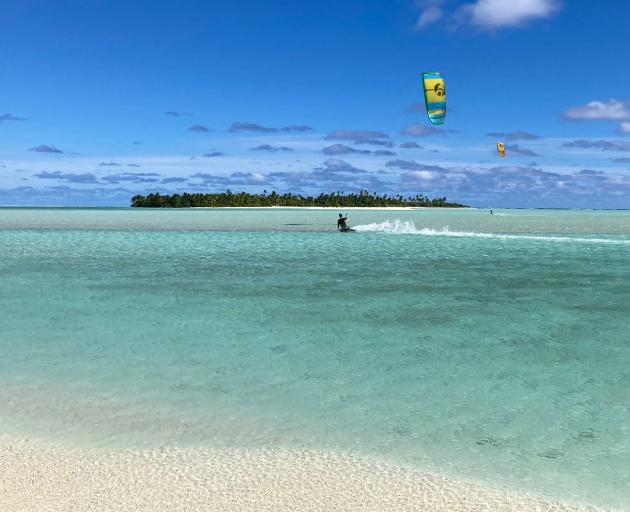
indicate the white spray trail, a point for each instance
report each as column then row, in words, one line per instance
column 398, row 227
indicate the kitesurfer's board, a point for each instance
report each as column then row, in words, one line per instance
column 347, row 230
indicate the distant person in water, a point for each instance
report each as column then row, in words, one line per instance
column 491, row 212
column 341, row 223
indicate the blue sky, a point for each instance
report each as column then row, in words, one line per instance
column 101, row 100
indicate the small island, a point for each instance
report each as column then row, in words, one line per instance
column 362, row 199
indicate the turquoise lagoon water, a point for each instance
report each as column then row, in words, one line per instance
column 490, row 348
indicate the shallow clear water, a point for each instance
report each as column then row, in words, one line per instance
column 494, row 348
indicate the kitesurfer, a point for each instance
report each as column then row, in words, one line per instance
column 341, row 223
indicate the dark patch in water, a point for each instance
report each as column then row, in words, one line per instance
column 219, row 389
column 488, row 441
column 312, row 376
column 417, row 353
column 586, row 435
column 530, row 384
column 279, row 349
column 182, row 386
column 401, row 430
column 212, row 387
column 552, row 453
column 344, row 357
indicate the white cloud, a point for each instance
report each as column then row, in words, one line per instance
column 422, row 175
column 429, row 15
column 430, row 12
column 487, row 14
column 612, row 110
column 494, row 14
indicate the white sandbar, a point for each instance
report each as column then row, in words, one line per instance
column 36, row 476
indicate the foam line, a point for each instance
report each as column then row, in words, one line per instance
column 398, row 227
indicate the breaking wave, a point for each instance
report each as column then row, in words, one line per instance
column 398, row 227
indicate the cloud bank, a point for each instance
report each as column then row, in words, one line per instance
column 604, row 145
column 300, row 128
column 342, row 149
column 517, row 135
column 45, row 148
column 270, row 148
column 515, row 149
column 250, row 127
column 420, row 130
column 10, row 117
column 356, row 135
column 198, row 128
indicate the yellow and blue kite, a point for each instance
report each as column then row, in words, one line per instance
column 434, row 96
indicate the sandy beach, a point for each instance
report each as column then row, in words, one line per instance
column 38, row 476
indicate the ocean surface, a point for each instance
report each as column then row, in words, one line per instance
column 493, row 348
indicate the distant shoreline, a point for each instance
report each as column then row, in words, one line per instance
column 376, row 208
column 363, row 199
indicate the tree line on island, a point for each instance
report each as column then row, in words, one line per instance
column 244, row 199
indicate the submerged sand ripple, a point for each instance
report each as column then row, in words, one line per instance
column 36, row 476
